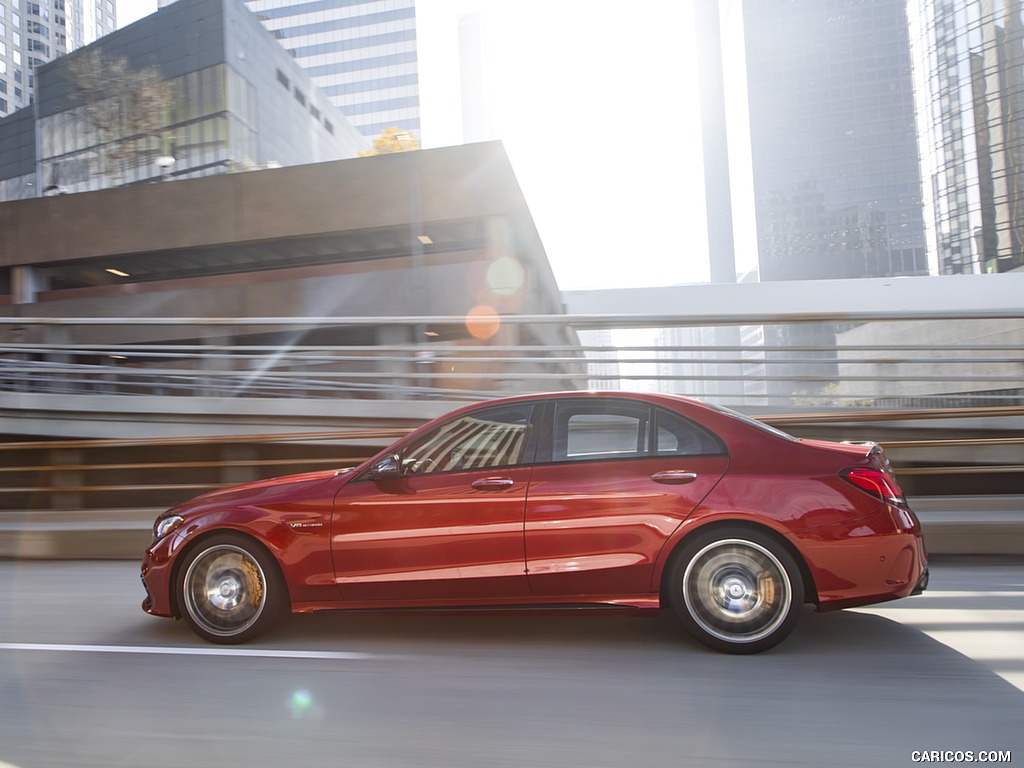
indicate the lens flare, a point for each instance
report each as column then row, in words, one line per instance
column 506, row 276
column 301, row 704
column 483, row 322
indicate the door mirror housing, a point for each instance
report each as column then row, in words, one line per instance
column 388, row 468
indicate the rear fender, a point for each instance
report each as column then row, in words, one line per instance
column 698, row 524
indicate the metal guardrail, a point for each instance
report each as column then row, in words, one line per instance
column 944, row 398
column 737, row 359
column 46, row 472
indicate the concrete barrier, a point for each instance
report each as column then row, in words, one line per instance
column 960, row 525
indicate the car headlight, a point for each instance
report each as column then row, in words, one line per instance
column 165, row 525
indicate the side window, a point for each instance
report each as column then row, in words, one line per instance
column 677, row 436
column 601, row 430
column 610, row 429
column 486, row 439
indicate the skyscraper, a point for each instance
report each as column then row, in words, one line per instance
column 970, row 81
column 837, row 180
column 361, row 55
column 33, row 32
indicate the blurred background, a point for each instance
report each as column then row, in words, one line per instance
column 245, row 239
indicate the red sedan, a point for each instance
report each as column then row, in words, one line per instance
column 584, row 500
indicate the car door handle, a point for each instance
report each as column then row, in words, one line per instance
column 674, row 477
column 493, row 483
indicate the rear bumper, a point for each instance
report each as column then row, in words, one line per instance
column 922, row 583
column 870, row 560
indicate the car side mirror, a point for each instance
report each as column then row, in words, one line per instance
column 388, row 468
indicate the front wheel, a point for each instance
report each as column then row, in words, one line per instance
column 230, row 589
column 736, row 590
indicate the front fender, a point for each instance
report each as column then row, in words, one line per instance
column 299, row 543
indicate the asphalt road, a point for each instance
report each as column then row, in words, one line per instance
column 87, row 679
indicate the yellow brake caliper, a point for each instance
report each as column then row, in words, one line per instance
column 253, row 583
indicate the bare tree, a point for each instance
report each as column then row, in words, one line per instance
column 123, row 105
column 392, row 140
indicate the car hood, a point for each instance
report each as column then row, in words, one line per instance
column 289, row 483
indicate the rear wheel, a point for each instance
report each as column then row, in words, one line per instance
column 736, row 590
column 230, row 589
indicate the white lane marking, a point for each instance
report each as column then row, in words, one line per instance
column 187, row 651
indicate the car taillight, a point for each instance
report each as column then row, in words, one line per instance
column 879, row 484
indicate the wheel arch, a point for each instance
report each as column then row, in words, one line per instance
column 810, row 589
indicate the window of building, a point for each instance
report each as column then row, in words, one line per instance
column 329, row 126
column 282, row 78
column 300, row 97
column 314, row 112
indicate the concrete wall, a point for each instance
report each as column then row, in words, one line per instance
column 914, row 376
column 456, row 182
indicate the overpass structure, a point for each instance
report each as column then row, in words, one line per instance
column 99, row 443
column 172, row 338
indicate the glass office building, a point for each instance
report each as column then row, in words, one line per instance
column 970, row 80
column 233, row 100
column 361, row 54
column 33, row 32
column 837, row 179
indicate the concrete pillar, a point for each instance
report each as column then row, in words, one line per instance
column 26, row 283
column 390, row 336
column 69, row 478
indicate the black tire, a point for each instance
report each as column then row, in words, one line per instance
column 230, row 589
column 735, row 589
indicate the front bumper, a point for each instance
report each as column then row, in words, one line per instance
column 156, row 580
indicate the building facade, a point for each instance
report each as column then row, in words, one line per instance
column 970, row 83
column 836, row 172
column 414, row 235
column 221, row 96
column 361, row 55
column 33, row 32
column 837, row 181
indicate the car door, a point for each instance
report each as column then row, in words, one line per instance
column 448, row 523
column 614, row 481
